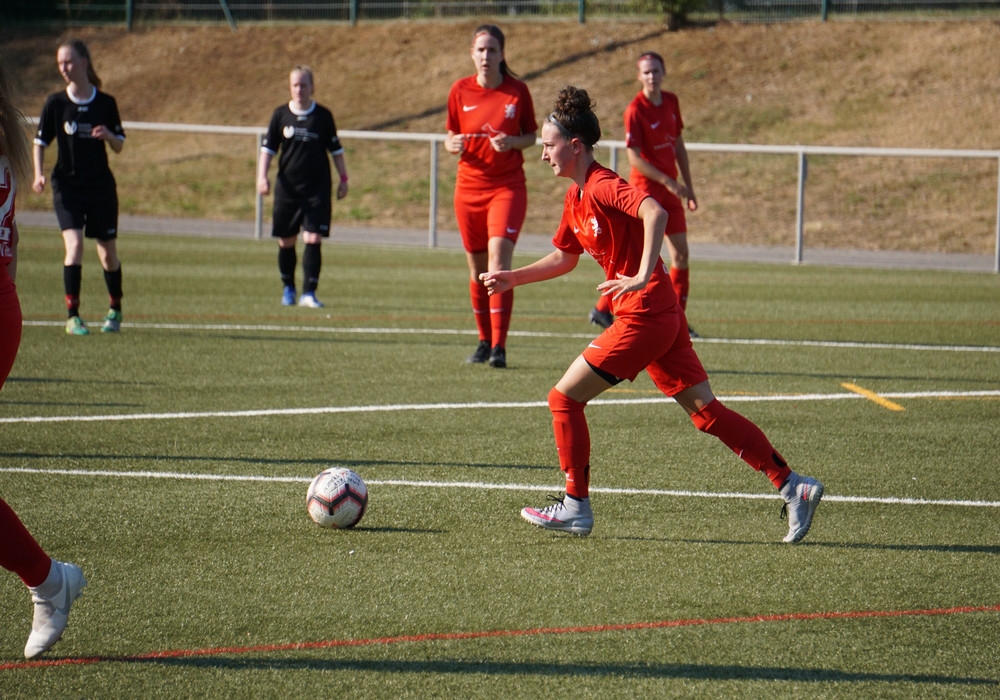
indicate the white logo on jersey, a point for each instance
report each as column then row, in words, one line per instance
column 468, row 108
column 288, row 132
column 69, row 127
column 595, row 226
column 654, row 125
column 509, row 111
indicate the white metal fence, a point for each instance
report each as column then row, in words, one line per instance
column 802, row 154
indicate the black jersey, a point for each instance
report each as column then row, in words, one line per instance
column 303, row 139
column 82, row 159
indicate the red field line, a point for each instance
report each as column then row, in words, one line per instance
column 452, row 636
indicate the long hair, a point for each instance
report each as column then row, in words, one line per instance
column 13, row 137
column 495, row 32
column 82, row 51
column 574, row 114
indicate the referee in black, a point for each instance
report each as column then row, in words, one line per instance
column 81, row 120
column 303, row 131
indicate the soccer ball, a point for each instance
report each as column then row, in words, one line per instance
column 337, row 498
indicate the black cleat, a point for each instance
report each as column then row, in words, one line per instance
column 604, row 319
column 498, row 357
column 481, row 354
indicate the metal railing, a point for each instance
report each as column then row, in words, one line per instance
column 801, row 153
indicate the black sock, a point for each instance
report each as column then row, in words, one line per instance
column 113, row 281
column 312, row 261
column 287, row 261
column 72, row 275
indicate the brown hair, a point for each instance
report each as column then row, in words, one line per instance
column 13, row 141
column 82, row 51
column 574, row 115
column 495, row 32
column 653, row 55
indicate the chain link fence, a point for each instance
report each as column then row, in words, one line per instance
column 675, row 12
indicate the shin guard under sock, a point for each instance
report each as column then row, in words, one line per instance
column 569, row 425
column 287, row 260
column 744, row 438
column 480, row 298
column 72, row 276
column 113, row 281
column 501, row 306
column 312, row 261
column 679, row 278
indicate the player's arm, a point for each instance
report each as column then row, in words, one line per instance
column 455, row 143
column 653, row 173
column 338, row 163
column 684, row 165
column 556, row 263
column 505, row 142
column 263, row 164
column 38, row 151
column 654, row 223
column 105, row 134
column 12, row 265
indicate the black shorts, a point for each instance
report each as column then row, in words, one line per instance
column 92, row 209
column 306, row 213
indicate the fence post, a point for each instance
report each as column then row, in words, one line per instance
column 996, row 262
column 582, row 11
column 432, row 224
column 800, row 206
column 258, row 216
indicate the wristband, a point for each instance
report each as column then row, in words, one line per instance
column 343, row 178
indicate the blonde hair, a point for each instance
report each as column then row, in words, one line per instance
column 13, row 137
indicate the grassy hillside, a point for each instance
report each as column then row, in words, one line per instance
column 913, row 85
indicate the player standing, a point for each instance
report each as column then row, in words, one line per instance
column 491, row 120
column 82, row 119
column 622, row 227
column 656, row 152
column 53, row 585
column 303, row 131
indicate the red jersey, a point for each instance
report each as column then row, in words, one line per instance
column 654, row 130
column 8, row 189
column 482, row 112
column 603, row 220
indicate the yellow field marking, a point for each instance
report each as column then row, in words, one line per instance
column 872, row 396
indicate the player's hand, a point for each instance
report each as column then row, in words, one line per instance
column 497, row 282
column 264, row 186
column 455, row 144
column 101, row 132
column 500, row 142
column 39, row 184
column 622, row 285
column 692, row 202
column 341, row 190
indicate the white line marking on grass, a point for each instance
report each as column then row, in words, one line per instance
column 275, row 328
column 482, row 485
column 392, row 408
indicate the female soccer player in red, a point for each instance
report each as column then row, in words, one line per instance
column 53, row 585
column 656, row 152
column 622, row 228
column 81, row 120
column 491, row 119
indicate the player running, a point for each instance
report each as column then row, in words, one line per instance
column 303, row 131
column 622, row 227
column 491, row 119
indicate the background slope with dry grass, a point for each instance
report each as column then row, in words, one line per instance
column 909, row 85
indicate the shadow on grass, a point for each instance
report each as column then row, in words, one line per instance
column 316, row 463
column 612, row 670
column 943, row 548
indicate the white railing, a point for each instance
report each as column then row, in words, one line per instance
column 800, row 152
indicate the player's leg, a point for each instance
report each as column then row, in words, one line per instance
column 315, row 227
column 470, row 215
column 72, row 280
column 107, row 252
column 53, row 585
column 507, row 210
column 285, row 228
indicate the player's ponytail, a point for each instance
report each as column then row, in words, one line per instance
column 13, row 143
column 495, row 32
column 82, row 51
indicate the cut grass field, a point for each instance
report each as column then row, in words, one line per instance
column 171, row 462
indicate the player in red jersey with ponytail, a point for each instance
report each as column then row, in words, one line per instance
column 53, row 585
column 622, row 227
column 491, row 119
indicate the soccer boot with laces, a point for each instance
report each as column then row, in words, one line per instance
column 482, row 353
column 288, row 296
column 564, row 515
column 112, row 322
column 310, row 301
column 52, row 611
column 76, row 326
column 802, row 494
column 498, row 357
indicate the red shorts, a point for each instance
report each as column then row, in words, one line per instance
column 489, row 213
column 659, row 344
column 10, row 324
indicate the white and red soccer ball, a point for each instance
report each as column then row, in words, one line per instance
column 337, row 498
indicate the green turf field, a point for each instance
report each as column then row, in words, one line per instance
column 171, row 462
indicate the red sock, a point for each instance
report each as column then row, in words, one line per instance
column 603, row 304
column 572, row 442
column 501, row 306
column 744, row 438
column 480, row 308
column 19, row 552
column 680, row 278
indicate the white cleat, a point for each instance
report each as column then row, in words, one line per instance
column 577, row 519
column 52, row 612
column 802, row 494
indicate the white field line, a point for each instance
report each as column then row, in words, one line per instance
column 531, row 334
column 479, row 485
column 394, row 408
